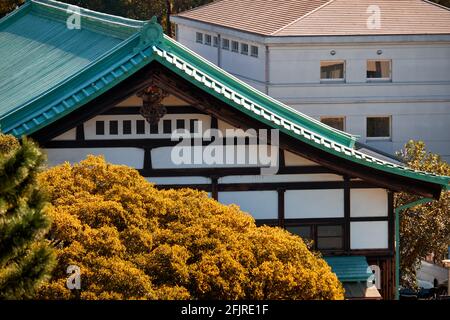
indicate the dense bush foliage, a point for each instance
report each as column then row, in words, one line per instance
column 424, row 229
column 25, row 256
column 133, row 241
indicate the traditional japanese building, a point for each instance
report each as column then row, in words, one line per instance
column 119, row 88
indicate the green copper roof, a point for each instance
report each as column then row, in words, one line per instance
column 130, row 46
column 349, row 269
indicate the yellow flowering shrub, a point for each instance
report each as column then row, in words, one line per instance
column 133, row 241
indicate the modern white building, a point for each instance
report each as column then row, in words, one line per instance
column 379, row 69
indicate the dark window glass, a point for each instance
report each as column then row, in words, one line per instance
column 244, row 48
column 216, row 41
column 167, row 126
column 193, row 125
column 100, row 127
column 337, row 123
column 234, row 46
column 153, row 128
column 140, row 126
column 302, row 231
column 329, row 237
column 127, row 127
column 225, row 44
column 199, row 37
column 332, row 70
column 114, row 127
column 180, row 124
column 378, row 127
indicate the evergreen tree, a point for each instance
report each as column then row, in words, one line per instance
column 25, row 257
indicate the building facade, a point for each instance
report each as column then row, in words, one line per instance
column 120, row 88
column 386, row 83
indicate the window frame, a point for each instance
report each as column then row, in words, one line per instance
column 206, row 41
column 379, row 138
column 344, row 121
column 242, row 46
column 313, row 225
column 113, row 127
column 140, row 124
column 100, row 128
column 330, row 80
column 215, row 42
column 389, row 79
column 226, row 41
column 233, row 48
column 199, row 37
column 127, row 127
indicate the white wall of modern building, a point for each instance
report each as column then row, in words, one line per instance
column 414, row 100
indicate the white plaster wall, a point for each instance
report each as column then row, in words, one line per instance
column 314, row 204
column 178, row 180
column 369, row 235
column 132, row 157
column 368, row 203
column 245, row 67
column 260, row 204
column 187, row 36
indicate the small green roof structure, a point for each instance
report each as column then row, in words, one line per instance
column 48, row 70
column 349, row 268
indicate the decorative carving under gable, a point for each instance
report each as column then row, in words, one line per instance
column 152, row 109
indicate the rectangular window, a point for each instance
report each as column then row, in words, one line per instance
column 334, row 122
column 180, row 124
column 140, row 126
column 329, row 237
column 199, row 37
column 304, row 232
column 100, row 127
column 193, row 126
column 378, row 127
column 255, row 52
column 126, row 127
column 153, row 128
column 379, row 69
column 207, row 39
column 225, row 44
column 114, row 127
column 332, row 70
column 244, row 48
column 234, row 46
column 216, row 41
column 167, row 126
